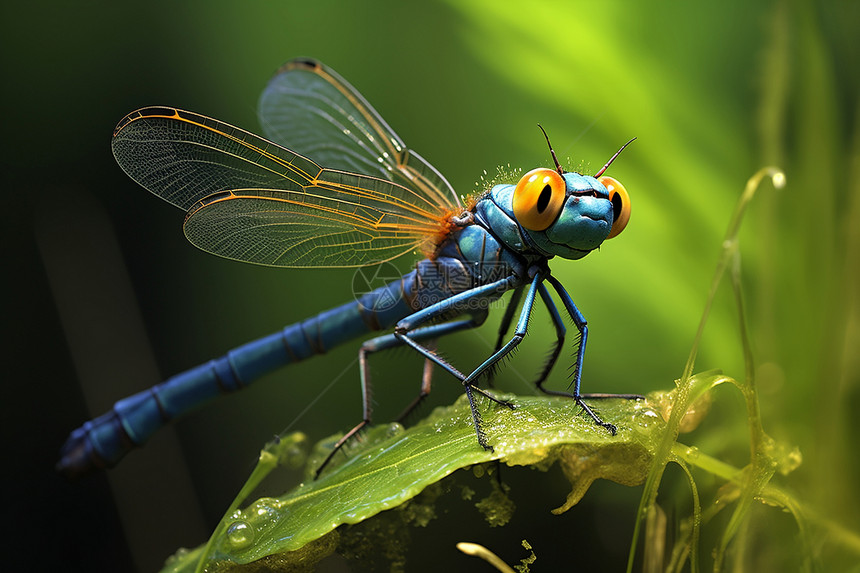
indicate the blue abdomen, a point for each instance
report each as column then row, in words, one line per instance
column 470, row 257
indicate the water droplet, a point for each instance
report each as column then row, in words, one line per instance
column 240, row 534
column 265, row 512
column 394, row 429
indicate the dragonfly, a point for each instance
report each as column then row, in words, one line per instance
column 364, row 199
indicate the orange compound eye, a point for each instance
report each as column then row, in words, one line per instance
column 538, row 198
column 620, row 204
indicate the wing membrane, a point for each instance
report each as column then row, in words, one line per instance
column 284, row 229
column 252, row 200
column 310, row 108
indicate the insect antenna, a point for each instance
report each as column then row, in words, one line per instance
column 552, row 152
column 611, row 159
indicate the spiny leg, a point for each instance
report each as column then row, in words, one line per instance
column 560, row 332
column 429, row 354
column 473, row 406
column 519, row 332
column 558, row 323
column 582, row 326
column 405, row 326
column 426, row 385
column 457, row 304
column 581, row 351
column 476, row 320
column 505, row 325
column 386, row 342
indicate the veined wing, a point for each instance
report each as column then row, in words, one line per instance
column 311, row 109
column 250, row 199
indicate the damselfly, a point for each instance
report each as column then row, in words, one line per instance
column 334, row 186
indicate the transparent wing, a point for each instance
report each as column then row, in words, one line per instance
column 309, row 108
column 298, row 229
column 250, row 199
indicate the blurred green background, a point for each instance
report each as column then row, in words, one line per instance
column 104, row 293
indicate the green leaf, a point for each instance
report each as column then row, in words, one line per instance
column 393, row 465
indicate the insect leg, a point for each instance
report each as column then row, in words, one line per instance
column 582, row 326
column 405, row 326
column 560, row 332
column 519, row 332
column 504, row 326
column 426, row 385
column 430, row 333
column 390, row 341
